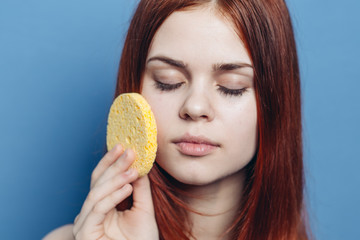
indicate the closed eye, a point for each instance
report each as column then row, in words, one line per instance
column 231, row 92
column 167, row 87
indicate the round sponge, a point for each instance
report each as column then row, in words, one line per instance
column 132, row 124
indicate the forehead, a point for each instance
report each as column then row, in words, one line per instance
column 198, row 31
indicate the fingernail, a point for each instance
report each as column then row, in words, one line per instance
column 129, row 171
column 126, row 153
column 117, row 146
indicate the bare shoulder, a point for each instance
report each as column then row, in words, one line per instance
column 62, row 233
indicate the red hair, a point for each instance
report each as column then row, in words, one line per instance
column 272, row 206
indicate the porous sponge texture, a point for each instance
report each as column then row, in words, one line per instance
column 132, row 124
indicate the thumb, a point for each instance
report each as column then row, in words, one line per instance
column 142, row 198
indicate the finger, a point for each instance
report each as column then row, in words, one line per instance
column 112, row 172
column 102, row 191
column 119, row 166
column 102, row 208
column 142, row 195
column 108, row 159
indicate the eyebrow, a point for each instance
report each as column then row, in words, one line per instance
column 230, row 66
column 172, row 62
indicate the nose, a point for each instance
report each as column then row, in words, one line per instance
column 197, row 106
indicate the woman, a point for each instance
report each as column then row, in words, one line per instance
column 222, row 79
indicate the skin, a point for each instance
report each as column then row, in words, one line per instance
column 199, row 82
column 200, row 107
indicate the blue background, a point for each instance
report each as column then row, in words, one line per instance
column 58, row 65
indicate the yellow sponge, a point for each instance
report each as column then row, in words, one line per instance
column 132, row 123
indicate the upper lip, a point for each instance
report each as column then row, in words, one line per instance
column 188, row 138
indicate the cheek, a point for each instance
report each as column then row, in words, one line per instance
column 164, row 113
column 154, row 100
column 242, row 133
column 163, row 125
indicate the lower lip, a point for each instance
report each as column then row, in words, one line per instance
column 195, row 149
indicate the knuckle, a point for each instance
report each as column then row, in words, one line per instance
column 76, row 234
column 120, row 163
column 93, row 176
column 117, row 181
column 114, row 198
column 130, row 154
column 76, row 219
column 128, row 188
column 98, row 208
column 129, row 157
column 92, row 196
column 113, row 152
column 118, row 148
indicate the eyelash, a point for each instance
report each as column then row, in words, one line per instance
column 167, row 87
column 232, row 92
column 223, row 90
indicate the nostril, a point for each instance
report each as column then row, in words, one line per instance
column 186, row 117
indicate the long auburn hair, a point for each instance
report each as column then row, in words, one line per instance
column 272, row 206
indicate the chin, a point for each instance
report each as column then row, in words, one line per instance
column 194, row 181
column 193, row 178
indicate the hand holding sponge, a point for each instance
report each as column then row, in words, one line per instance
column 132, row 124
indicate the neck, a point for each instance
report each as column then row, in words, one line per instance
column 218, row 204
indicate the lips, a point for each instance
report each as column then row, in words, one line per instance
column 196, row 146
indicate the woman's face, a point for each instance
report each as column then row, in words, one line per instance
column 199, row 83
